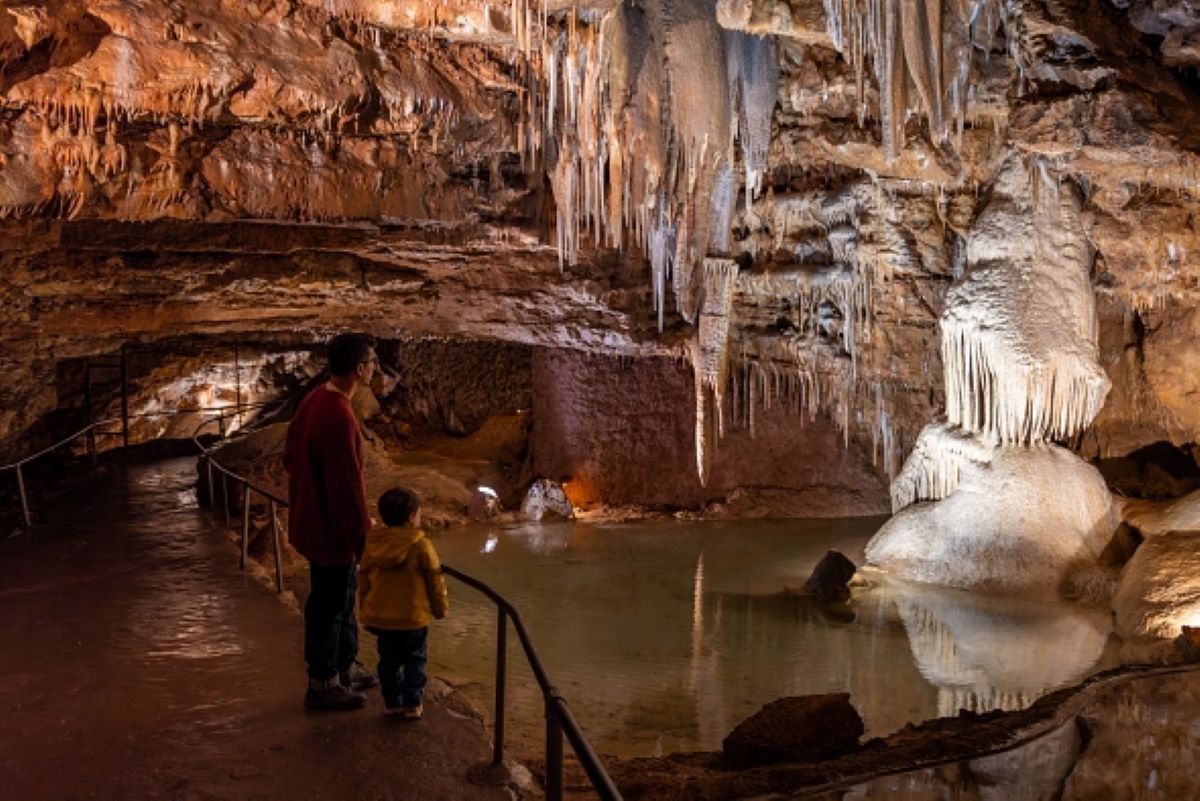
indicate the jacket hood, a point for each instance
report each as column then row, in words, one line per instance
column 389, row 547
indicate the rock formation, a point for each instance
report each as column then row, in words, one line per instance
column 1011, row 511
column 787, row 194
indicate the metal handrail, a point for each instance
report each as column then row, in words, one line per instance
column 559, row 720
column 93, row 428
column 18, row 465
column 21, row 462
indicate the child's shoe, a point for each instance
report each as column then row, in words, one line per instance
column 412, row 712
column 393, row 711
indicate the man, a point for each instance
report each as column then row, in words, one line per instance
column 328, row 522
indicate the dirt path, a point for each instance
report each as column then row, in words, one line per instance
column 138, row 662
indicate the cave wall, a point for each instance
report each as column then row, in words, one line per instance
column 612, row 428
column 232, row 170
column 454, row 386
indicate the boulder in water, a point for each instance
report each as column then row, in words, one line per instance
column 830, row 577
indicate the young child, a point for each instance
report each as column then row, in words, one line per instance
column 400, row 589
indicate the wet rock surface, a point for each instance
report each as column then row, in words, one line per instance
column 808, row 728
column 830, row 577
column 149, row 667
column 1067, row 743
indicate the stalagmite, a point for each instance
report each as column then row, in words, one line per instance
column 1021, row 370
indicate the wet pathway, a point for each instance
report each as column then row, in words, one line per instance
column 136, row 661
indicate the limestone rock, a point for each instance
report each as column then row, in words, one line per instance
column 1159, row 592
column 133, row 133
column 1188, row 643
column 830, row 577
column 1021, row 522
column 484, row 505
column 806, row 728
column 546, row 500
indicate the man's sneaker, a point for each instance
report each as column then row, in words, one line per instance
column 393, row 711
column 358, row 677
column 412, row 712
column 332, row 695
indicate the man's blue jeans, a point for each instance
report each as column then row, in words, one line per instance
column 402, row 657
column 330, row 627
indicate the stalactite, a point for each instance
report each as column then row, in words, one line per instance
column 710, row 357
column 630, row 86
column 911, row 42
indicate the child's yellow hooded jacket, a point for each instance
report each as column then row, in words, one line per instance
column 400, row 584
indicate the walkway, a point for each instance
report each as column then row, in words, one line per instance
column 136, row 661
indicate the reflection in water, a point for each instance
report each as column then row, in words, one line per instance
column 984, row 652
column 1142, row 742
column 663, row 636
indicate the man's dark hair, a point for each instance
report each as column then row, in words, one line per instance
column 398, row 505
column 347, row 351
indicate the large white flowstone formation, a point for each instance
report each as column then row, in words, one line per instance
column 1010, row 512
column 1019, row 519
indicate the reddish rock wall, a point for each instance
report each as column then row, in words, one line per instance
column 622, row 432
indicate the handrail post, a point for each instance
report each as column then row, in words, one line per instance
column 554, row 751
column 225, row 495
column 278, row 555
column 501, row 669
column 212, row 490
column 87, row 410
column 24, row 498
column 245, row 524
column 237, row 377
column 124, row 399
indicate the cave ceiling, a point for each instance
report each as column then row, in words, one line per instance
column 584, row 175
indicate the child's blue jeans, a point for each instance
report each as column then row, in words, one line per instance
column 402, row 657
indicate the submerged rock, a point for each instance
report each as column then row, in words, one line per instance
column 546, row 499
column 806, row 728
column 830, row 577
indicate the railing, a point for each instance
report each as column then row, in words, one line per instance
column 94, row 429
column 90, row 430
column 559, row 720
column 274, row 502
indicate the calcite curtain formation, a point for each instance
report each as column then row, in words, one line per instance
column 1021, row 372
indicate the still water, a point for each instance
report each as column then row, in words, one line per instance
column 664, row 635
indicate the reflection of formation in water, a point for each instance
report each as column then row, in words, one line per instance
column 539, row 538
column 985, row 653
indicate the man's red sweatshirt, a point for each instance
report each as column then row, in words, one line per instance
column 327, row 496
